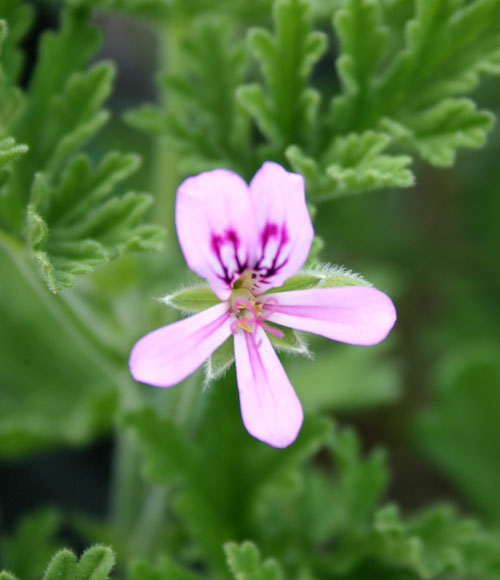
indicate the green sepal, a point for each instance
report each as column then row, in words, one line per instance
column 192, row 299
column 291, row 341
column 324, row 276
column 245, row 563
column 219, row 361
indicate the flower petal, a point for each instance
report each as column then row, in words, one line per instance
column 270, row 409
column 169, row 354
column 352, row 314
column 284, row 227
column 216, row 227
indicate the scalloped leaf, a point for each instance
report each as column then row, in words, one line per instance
column 285, row 109
column 245, row 563
column 79, row 223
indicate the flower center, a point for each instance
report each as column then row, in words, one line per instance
column 250, row 311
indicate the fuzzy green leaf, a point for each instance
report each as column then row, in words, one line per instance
column 6, row 576
column 245, row 563
column 453, row 123
column 9, row 151
column 285, row 110
column 95, row 564
column 191, row 299
column 77, row 223
column 352, row 164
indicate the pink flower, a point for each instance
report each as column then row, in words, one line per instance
column 245, row 240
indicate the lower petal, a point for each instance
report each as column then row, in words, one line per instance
column 270, row 409
column 169, row 354
column 352, row 314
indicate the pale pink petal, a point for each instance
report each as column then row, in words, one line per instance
column 284, row 227
column 270, row 409
column 216, row 228
column 169, row 354
column 352, row 314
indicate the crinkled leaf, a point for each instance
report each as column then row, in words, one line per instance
column 438, row 132
column 352, row 164
column 245, row 563
column 432, row 544
column 285, row 109
column 363, row 40
column 78, row 223
column 203, row 122
column 95, row 564
column 19, row 17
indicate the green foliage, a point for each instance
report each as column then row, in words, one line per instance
column 78, row 223
column 286, row 109
column 34, row 535
column 72, row 220
column 166, row 569
column 210, row 129
column 53, row 391
column 224, row 502
column 244, row 561
column 432, row 544
column 460, row 432
column 95, row 564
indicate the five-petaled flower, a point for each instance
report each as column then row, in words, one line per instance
column 246, row 240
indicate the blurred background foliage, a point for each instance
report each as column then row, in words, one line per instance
column 405, row 485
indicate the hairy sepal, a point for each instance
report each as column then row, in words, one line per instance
column 191, row 300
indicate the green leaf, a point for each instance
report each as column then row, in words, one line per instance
column 58, row 398
column 19, row 17
column 245, row 563
column 459, row 432
column 192, row 299
column 363, row 40
column 432, row 544
column 166, row 569
column 352, row 164
column 95, row 564
column 202, row 120
column 78, row 223
column 438, row 132
column 285, row 109
column 34, row 534
column 345, row 379
column 10, row 151
column 6, row 575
